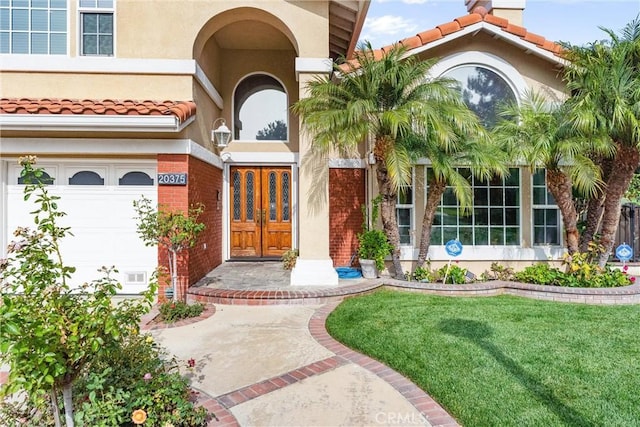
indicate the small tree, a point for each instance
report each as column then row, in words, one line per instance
column 50, row 332
column 172, row 230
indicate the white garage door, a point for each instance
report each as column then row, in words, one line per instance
column 98, row 200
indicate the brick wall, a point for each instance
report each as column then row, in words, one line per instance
column 204, row 182
column 205, row 186
column 346, row 196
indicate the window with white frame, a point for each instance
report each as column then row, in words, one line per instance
column 96, row 27
column 404, row 214
column 493, row 218
column 33, row 27
column 260, row 110
column 546, row 215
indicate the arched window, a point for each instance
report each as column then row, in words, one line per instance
column 33, row 178
column 135, row 178
column 86, row 178
column 260, row 110
column 483, row 90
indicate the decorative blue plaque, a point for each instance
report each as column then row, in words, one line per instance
column 624, row 252
column 453, row 247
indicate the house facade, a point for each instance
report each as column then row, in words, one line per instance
column 119, row 98
column 513, row 219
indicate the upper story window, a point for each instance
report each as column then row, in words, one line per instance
column 96, row 27
column 33, row 27
column 483, row 90
column 260, row 110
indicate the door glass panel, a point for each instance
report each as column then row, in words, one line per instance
column 285, row 197
column 272, row 196
column 250, row 195
column 236, row 196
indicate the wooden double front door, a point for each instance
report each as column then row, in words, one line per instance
column 260, row 211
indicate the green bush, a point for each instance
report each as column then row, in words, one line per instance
column 138, row 377
column 173, row 311
column 422, row 274
column 455, row 275
column 579, row 274
column 539, row 274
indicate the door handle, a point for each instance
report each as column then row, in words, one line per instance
column 258, row 217
column 264, row 216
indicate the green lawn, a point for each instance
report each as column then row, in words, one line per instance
column 505, row 361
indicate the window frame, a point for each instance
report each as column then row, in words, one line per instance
column 411, row 208
column 238, row 109
column 82, row 10
column 489, row 206
column 545, row 207
column 30, row 32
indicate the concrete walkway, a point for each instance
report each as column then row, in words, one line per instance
column 277, row 366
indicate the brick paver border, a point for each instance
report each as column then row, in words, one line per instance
column 608, row 296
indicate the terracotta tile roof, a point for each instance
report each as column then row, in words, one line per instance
column 479, row 14
column 182, row 110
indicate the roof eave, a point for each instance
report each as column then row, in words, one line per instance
column 473, row 29
column 92, row 123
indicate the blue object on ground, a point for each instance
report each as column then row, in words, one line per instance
column 348, row 273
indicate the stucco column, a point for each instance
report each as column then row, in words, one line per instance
column 314, row 266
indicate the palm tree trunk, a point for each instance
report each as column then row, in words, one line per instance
column 626, row 161
column 595, row 208
column 560, row 186
column 388, row 216
column 436, row 189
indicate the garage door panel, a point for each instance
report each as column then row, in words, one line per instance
column 102, row 222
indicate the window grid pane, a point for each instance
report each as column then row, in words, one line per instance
column 404, row 214
column 546, row 222
column 36, row 27
column 494, row 217
column 97, row 34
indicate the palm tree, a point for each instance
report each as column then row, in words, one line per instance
column 388, row 98
column 604, row 80
column 536, row 132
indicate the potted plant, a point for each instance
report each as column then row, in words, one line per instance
column 373, row 244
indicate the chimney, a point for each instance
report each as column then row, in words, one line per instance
column 510, row 10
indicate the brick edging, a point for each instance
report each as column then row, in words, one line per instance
column 429, row 408
column 621, row 295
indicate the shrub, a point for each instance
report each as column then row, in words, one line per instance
column 289, row 259
column 139, row 376
column 173, row 311
column 422, row 274
column 539, row 274
column 454, row 274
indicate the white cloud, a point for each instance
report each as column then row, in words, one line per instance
column 387, row 26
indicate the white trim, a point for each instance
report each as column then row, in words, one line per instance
column 260, row 157
column 314, row 272
column 347, row 164
column 487, row 253
column 95, row 64
column 487, row 60
column 528, row 47
column 208, row 87
column 77, row 122
column 98, row 146
column 313, row 65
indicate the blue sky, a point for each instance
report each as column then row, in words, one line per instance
column 573, row 21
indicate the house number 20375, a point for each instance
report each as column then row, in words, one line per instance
column 172, row 179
